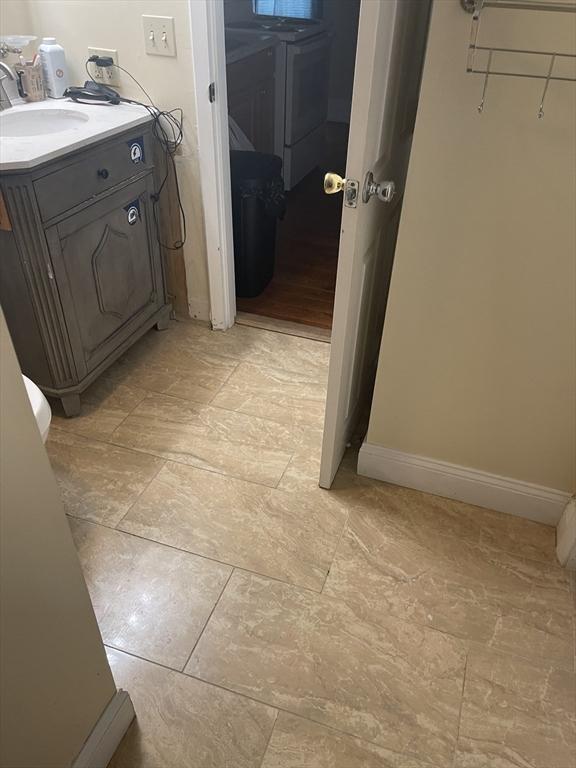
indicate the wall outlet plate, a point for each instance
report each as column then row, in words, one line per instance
column 159, row 37
column 105, row 75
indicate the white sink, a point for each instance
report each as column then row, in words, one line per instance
column 39, row 122
column 31, row 134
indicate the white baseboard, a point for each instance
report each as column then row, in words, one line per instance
column 566, row 536
column 107, row 733
column 515, row 497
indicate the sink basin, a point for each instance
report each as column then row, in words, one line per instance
column 39, row 122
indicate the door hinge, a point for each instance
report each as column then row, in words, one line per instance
column 212, row 93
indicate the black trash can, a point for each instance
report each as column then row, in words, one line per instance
column 257, row 202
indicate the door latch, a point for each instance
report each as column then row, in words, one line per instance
column 333, row 183
column 212, row 93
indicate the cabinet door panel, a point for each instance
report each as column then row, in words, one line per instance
column 109, row 274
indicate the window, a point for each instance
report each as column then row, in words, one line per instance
column 294, row 9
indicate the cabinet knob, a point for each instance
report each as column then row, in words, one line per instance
column 103, row 173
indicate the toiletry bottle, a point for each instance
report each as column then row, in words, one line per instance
column 54, row 67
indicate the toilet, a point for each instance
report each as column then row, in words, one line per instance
column 42, row 411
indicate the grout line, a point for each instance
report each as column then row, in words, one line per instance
column 207, row 620
column 142, row 492
column 461, row 705
column 240, row 568
column 276, row 715
column 336, row 548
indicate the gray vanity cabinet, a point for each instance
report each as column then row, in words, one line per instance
column 82, row 276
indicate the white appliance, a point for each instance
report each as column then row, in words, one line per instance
column 301, row 101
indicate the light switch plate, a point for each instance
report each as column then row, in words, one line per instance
column 105, row 75
column 159, row 38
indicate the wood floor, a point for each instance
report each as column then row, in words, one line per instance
column 302, row 290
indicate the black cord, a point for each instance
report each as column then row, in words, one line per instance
column 168, row 132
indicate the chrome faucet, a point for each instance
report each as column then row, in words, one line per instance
column 5, row 102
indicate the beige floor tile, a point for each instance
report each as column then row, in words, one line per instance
column 389, row 682
column 291, row 537
column 158, row 364
column 98, row 482
column 258, row 347
column 276, row 394
column 453, row 585
column 416, row 512
column 516, row 713
column 105, row 404
column 300, row 743
column 210, row 438
column 184, row 723
column 149, row 600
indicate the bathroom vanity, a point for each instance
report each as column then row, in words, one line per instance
column 81, row 276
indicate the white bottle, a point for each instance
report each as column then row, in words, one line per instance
column 53, row 61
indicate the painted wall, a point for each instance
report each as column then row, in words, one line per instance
column 477, row 364
column 117, row 24
column 55, row 681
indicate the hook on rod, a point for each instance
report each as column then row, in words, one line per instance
column 486, row 76
column 546, row 84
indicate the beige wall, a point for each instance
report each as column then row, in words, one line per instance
column 55, row 680
column 117, row 24
column 477, row 364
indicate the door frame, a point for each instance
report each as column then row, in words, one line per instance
column 209, row 67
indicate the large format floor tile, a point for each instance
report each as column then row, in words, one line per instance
column 181, row 722
column 149, row 600
column 158, row 364
column 105, row 405
column 291, row 537
column 98, row 482
column 452, row 585
column 388, row 682
column 299, row 743
column 516, row 713
column 275, row 394
column 209, row 438
column 258, row 347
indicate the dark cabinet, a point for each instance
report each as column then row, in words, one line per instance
column 89, row 279
column 250, row 85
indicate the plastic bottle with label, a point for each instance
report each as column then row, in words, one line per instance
column 54, row 67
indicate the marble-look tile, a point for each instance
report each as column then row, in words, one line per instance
column 105, row 404
column 98, row 482
column 258, row 347
column 159, row 365
column 149, row 600
column 181, row 722
column 210, row 438
column 291, row 537
column 415, row 512
column 390, row 682
column 516, row 713
column 452, row 585
column 274, row 393
column 300, row 743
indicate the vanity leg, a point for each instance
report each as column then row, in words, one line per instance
column 164, row 322
column 71, row 405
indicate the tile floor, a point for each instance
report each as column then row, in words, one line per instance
column 260, row 622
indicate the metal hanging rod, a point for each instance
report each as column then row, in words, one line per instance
column 475, row 6
column 492, row 49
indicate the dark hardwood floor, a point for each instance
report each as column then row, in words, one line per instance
column 302, row 289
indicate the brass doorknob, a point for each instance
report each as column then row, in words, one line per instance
column 333, row 183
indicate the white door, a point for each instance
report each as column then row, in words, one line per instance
column 390, row 49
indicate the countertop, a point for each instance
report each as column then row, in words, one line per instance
column 103, row 120
column 240, row 45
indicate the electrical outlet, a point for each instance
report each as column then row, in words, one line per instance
column 105, row 75
column 159, row 38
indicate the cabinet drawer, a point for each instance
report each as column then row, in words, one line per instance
column 95, row 172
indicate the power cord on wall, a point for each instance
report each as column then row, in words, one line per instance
column 168, row 132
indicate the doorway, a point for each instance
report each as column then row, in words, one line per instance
column 290, row 74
